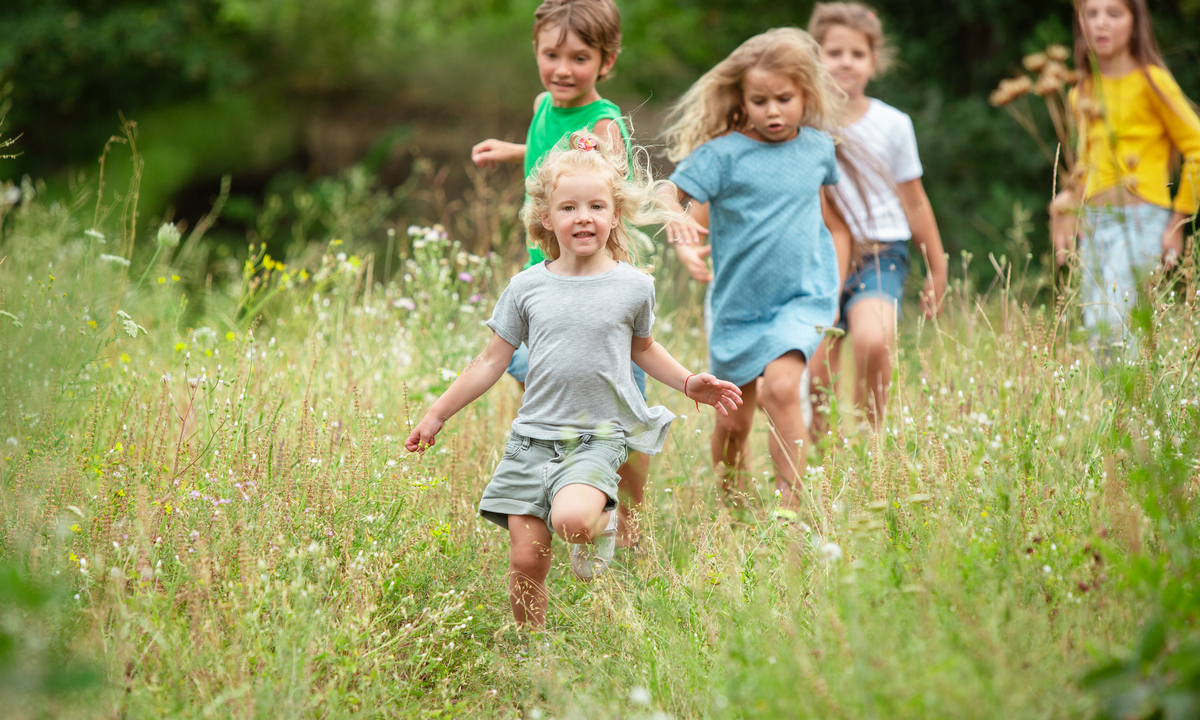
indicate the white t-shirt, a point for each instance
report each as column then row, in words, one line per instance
column 886, row 135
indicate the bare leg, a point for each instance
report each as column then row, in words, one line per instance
column 873, row 335
column 632, row 492
column 731, row 439
column 823, row 372
column 528, row 565
column 577, row 513
column 789, row 440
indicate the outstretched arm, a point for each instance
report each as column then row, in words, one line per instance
column 839, row 231
column 479, row 375
column 492, row 152
column 925, row 234
column 695, row 257
column 701, row 387
column 686, row 231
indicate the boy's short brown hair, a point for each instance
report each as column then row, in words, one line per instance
column 596, row 22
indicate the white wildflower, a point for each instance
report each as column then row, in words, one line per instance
column 168, row 235
column 114, row 259
column 639, row 696
column 831, row 552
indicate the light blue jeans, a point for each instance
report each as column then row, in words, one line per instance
column 1120, row 247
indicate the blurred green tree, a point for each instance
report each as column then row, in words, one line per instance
column 234, row 85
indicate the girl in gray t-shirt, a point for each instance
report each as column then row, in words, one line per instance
column 585, row 314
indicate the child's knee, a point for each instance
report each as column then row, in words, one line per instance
column 531, row 560
column 575, row 524
column 736, row 424
column 780, row 391
column 874, row 347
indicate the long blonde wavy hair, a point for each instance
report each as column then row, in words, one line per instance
column 627, row 174
column 713, row 106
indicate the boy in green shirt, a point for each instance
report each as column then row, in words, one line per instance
column 576, row 43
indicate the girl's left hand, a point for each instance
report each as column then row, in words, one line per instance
column 1172, row 240
column 721, row 394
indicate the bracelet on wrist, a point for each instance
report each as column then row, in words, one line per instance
column 685, row 392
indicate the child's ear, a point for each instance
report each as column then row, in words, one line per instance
column 606, row 65
column 546, row 223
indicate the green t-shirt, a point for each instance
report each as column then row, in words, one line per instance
column 550, row 124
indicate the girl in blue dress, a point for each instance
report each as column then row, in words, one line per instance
column 754, row 140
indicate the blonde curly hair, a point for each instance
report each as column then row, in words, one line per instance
column 628, row 175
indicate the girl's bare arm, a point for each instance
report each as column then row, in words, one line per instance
column 1063, row 225
column 479, row 375
column 702, row 387
column 688, row 231
column 694, row 257
column 928, row 240
column 839, row 231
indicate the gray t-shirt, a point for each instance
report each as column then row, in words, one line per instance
column 580, row 331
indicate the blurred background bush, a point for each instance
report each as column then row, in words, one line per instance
column 285, row 95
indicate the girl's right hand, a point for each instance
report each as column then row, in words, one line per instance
column 490, row 152
column 1063, row 226
column 693, row 258
column 685, row 232
column 422, row 437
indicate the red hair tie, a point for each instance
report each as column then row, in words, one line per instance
column 585, row 143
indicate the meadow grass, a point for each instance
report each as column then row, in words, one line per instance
column 212, row 514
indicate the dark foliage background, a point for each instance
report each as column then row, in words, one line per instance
column 278, row 93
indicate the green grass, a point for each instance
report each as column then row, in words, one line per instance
column 223, row 522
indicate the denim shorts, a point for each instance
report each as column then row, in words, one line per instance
column 1120, row 245
column 518, row 367
column 880, row 276
column 533, row 471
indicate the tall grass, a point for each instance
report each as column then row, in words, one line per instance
column 216, row 516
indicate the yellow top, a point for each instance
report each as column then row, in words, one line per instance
column 1129, row 143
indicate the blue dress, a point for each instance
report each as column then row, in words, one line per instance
column 775, row 267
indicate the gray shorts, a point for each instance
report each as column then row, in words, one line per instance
column 533, row 471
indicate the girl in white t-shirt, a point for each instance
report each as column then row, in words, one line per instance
column 891, row 209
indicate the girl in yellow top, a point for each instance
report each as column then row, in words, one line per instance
column 1132, row 117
